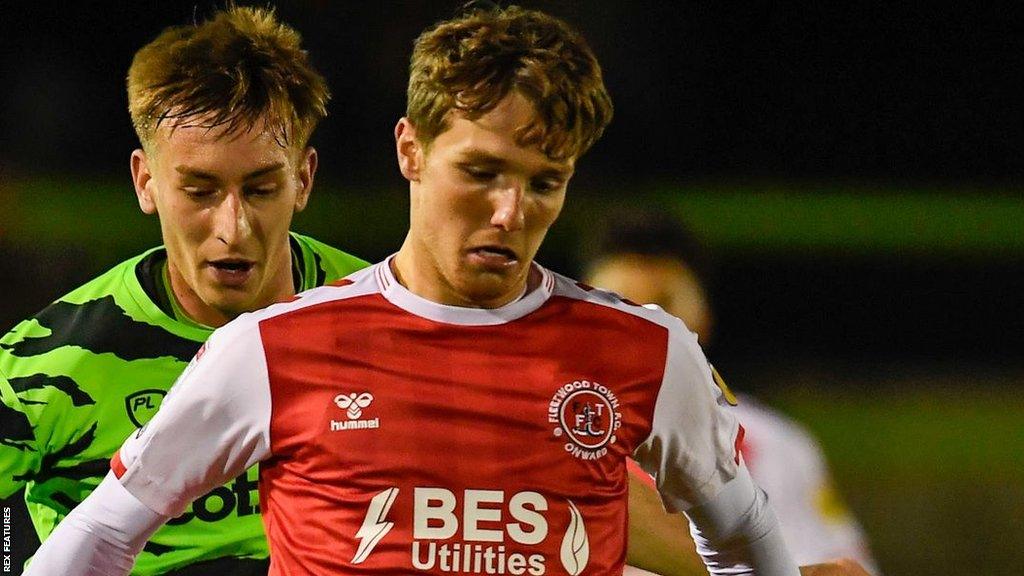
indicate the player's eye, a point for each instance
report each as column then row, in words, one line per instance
column 545, row 185
column 263, row 190
column 197, row 192
column 479, row 174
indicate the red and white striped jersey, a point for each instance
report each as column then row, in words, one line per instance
column 401, row 436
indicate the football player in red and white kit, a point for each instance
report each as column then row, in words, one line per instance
column 457, row 408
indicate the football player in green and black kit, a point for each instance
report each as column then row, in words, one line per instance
column 224, row 111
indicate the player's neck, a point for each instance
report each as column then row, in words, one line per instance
column 418, row 273
column 188, row 303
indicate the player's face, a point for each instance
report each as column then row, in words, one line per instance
column 225, row 203
column 480, row 207
column 655, row 280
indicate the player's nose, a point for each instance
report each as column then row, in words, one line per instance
column 508, row 213
column 232, row 219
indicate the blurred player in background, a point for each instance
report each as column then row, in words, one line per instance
column 224, row 111
column 650, row 257
column 456, row 408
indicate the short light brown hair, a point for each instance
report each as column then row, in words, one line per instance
column 472, row 62
column 237, row 69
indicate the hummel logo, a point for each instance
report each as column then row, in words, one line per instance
column 354, row 403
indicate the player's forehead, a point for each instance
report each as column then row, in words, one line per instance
column 496, row 138
column 219, row 149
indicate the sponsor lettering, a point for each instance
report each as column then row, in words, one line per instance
column 485, row 518
column 475, row 532
column 222, row 501
column 474, row 559
column 435, row 517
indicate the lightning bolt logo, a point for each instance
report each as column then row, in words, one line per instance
column 374, row 527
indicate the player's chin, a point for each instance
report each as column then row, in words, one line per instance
column 232, row 301
column 491, row 289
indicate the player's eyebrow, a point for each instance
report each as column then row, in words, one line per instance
column 204, row 175
column 477, row 156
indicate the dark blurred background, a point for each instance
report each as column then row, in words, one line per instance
column 855, row 170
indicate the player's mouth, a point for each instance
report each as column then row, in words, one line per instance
column 232, row 272
column 493, row 257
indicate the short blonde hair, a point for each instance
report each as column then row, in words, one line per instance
column 470, row 63
column 234, row 70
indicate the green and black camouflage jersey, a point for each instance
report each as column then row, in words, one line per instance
column 83, row 374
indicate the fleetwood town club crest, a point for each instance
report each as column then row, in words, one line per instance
column 586, row 415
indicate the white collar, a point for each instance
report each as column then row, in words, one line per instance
column 400, row 296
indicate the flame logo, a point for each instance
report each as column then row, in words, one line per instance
column 575, row 544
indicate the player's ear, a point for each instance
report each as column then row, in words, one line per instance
column 142, row 177
column 307, row 170
column 410, row 156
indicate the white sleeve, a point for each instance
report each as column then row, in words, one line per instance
column 101, row 536
column 737, row 532
column 691, row 450
column 213, row 424
column 692, row 453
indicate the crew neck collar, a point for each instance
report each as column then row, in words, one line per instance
column 400, row 296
